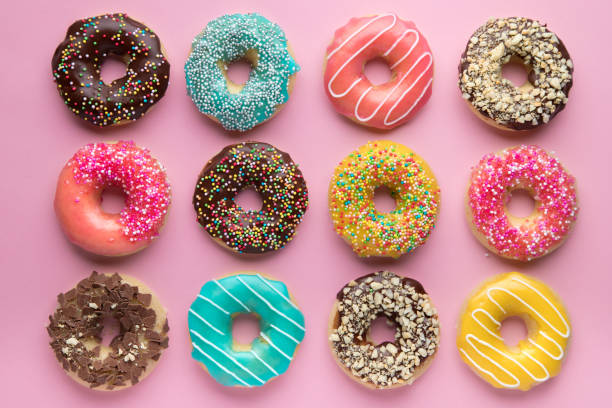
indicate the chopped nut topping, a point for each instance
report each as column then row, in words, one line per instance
column 401, row 300
column 495, row 44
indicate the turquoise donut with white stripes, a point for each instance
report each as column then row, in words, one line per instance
column 210, row 328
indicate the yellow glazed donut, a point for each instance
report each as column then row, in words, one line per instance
column 535, row 359
column 412, row 184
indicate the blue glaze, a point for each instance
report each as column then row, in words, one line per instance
column 210, row 328
column 227, row 39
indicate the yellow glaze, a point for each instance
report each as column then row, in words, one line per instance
column 535, row 359
column 412, row 184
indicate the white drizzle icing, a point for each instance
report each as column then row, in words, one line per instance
column 428, row 55
column 474, row 341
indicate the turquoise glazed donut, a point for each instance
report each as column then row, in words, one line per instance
column 231, row 38
column 210, row 328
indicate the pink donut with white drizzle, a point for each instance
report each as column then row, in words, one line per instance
column 407, row 53
column 531, row 169
column 78, row 196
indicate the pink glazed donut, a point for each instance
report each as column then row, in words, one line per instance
column 406, row 51
column 87, row 174
column 528, row 168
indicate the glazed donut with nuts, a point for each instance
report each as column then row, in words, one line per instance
column 402, row 301
column 494, row 98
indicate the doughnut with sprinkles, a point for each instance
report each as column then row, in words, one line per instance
column 273, row 175
column 235, row 37
column 78, row 198
column 528, row 168
column 76, row 69
column 412, row 184
column 494, row 98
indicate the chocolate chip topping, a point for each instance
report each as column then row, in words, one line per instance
column 76, row 327
column 543, row 53
column 401, row 300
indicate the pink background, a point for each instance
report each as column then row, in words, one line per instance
column 40, row 134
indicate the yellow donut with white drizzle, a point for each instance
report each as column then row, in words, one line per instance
column 536, row 358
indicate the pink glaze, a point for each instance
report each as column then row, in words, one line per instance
column 553, row 189
column 96, row 167
column 406, row 51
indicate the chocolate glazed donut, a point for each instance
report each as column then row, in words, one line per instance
column 76, row 69
column 400, row 300
column 273, row 175
column 495, row 99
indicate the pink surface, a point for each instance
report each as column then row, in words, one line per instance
column 37, row 262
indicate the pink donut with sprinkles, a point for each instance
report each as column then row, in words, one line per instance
column 81, row 183
column 528, row 168
column 407, row 53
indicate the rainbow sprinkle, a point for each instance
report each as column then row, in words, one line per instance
column 273, row 175
column 76, row 69
column 142, row 178
column 530, row 168
column 412, row 184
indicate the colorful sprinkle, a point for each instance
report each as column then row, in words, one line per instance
column 141, row 177
column 528, row 168
column 76, row 69
column 273, row 175
column 412, row 184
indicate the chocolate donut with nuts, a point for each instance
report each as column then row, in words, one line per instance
column 402, row 301
column 494, row 98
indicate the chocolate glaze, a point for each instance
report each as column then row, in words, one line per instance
column 76, row 69
column 463, row 64
column 377, row 277
column 273, row 175
column 417, row 340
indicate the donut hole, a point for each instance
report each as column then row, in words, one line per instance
column 112, row 200
column 249, row 199
column 245, row 329
column 513, row 330
column 238, row 71
column 382, row 330
column 110, row 330
column 113, row 67
column 377, row 71
column 518, row 73
column 384, row 200
column 520, row 203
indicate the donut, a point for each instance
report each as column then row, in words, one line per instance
column 494, row 98
column 76, row 328
column 273, row 175
column 236, row 37
column 412, row 184
column 402, row 301
column 402, row 47
column 78, row 196
column 210, row 329
column 528, row 168
column 536, row 358
column 76, row 69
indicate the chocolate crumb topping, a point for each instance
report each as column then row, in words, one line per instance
column 76, row 328
column 401, row 300
column 544, row 55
